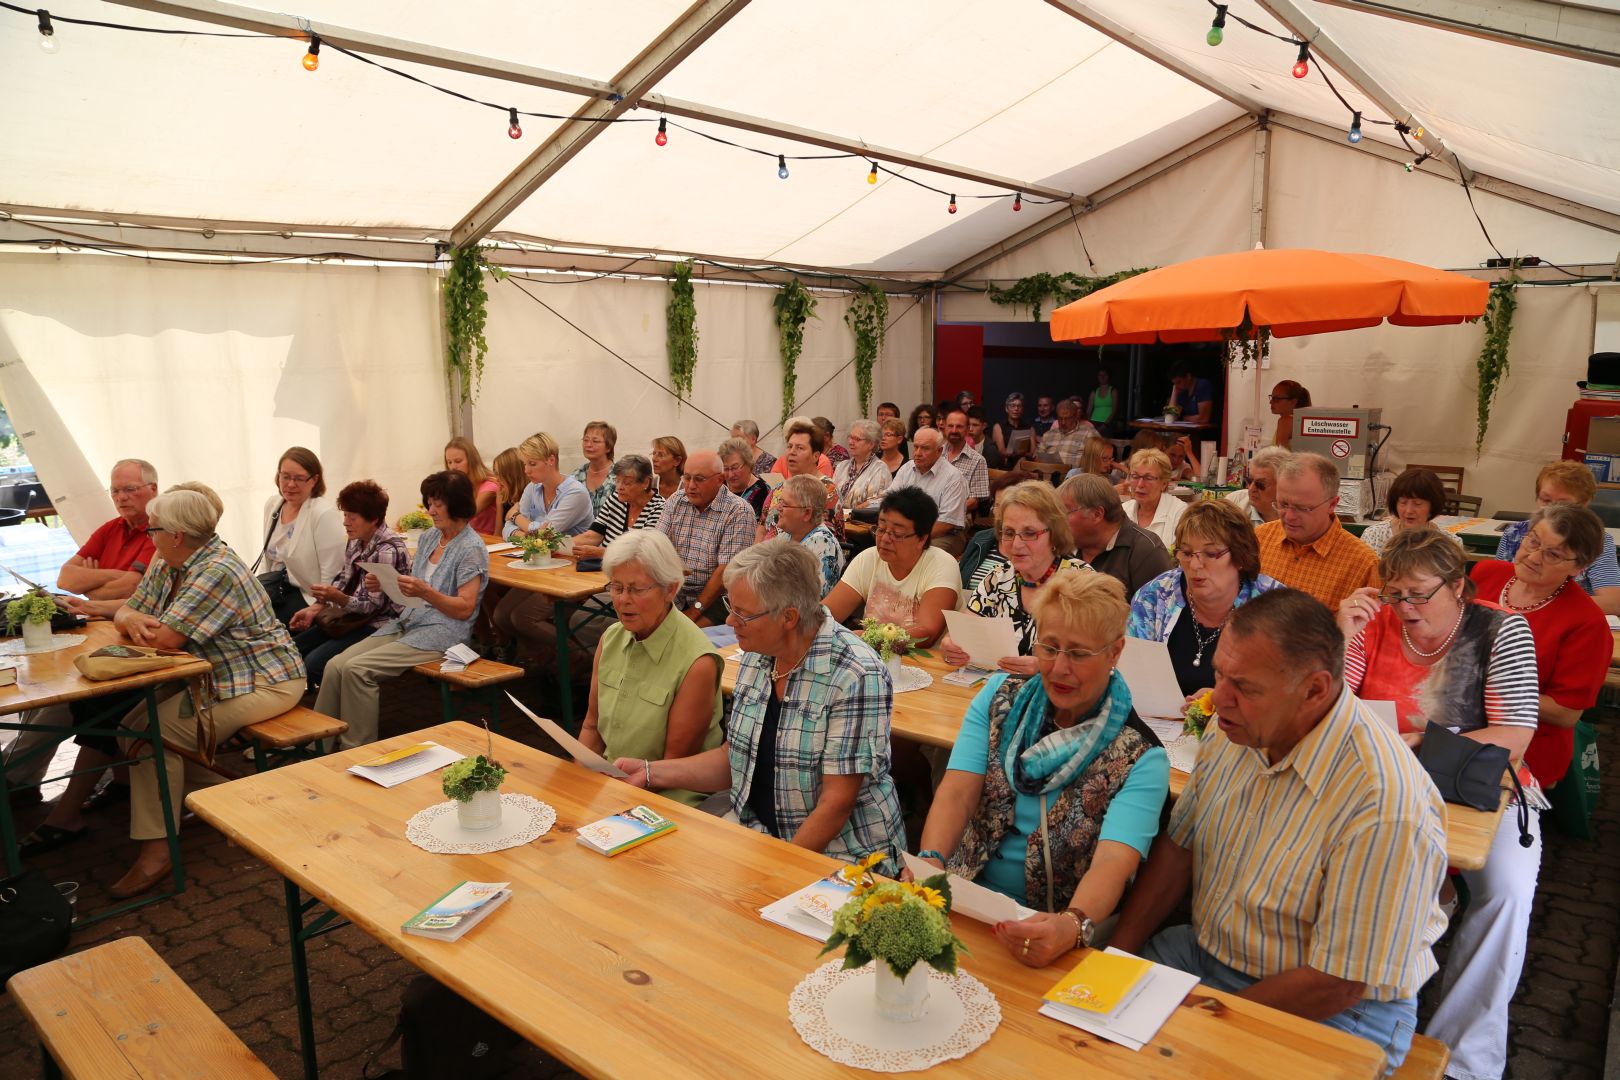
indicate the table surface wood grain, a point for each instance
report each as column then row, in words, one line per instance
column 51, row 679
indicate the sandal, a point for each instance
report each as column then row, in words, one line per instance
column 48, row 838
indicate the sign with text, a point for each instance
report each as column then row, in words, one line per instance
column 1332, row 427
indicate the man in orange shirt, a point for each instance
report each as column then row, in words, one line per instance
column 1306, row 548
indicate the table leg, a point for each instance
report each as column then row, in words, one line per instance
column 298, row 932
column 560, row 612
column 8, row 830
column 171, row 827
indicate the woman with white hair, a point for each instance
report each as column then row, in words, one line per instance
column 1258, row 495
column 800, row 515
column 807, row 749
column 862, row 479
column 655, row 682
column 202, row 600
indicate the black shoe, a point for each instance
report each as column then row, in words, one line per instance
column 48, row 838
column 110, row 795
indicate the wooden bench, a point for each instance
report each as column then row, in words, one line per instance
column 1425, row 1061
column 294, row 735
column 481, row 678
column 119, row 1010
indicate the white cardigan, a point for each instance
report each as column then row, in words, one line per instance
column 318, row 542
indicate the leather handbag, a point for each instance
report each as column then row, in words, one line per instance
column 117, row 661
column 35, row 922
column 1469, row 772
column 340, row 622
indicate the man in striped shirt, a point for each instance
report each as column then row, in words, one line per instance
column 1312, row 841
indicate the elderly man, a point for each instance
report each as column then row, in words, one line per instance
column 1259, row 495
column 708, row 525
column 968, row 461
column 748, row 432
column 1106, row 538
column 943, row 482
column 1068, row 438
column 1306, row 548
column 1312, row 841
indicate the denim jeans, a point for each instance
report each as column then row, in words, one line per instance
column 1387, row 1024
column 317, row 647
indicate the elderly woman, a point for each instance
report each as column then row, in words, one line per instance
column 202, row 600
column 1002, row 432
column 1147, row 479
column 551, row 499
column 631, row 504
column 737, row 466
column 668, row 459
column 449, row 574
column 1055, row 787
column 1415, row 499
column 804, row 446
column 303, row 535
column 1287, row 396
column 655, row 682
column 597, row 445
column 1571, row 482
column 862, row 480
column 1424, row 643
column 901, row 579
column 807, row 754
column 461, row 455
column 892, row 444
column 1219, row 572
column 1259, row 495
column 1032, row 533
column 346, row 610
column 800, row 516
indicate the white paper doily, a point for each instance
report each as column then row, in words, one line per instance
column 549, row 564
column 912, row 678
column 834, row 1013
column 523, row 819
column 1182, row 752
column 15, row 647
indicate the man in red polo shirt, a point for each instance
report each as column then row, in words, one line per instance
column 111, row 562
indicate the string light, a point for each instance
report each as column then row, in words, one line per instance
column 1302, row 66
column 312, row 59
column 1217, row 28
column 515, row 131
column 1018, row 201
column 663, row 135
column 871, row 177
column 781, row 167
column 47, row 33
column 951, row 209
column 1419, row 160
column 1355, row 128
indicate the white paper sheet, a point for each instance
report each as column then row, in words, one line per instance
column 499, row 546
column 971, row 899
column 1137, row 1021
column 1146, row 668
column 388, row 577
column 985, row 641
column 1168, row 731
column 434, row 758
column 576, row 749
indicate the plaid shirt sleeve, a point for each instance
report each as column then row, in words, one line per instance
column 148, row 595
column 390, row 550
column 857, row 719
column 978, row 479
column 736, row 530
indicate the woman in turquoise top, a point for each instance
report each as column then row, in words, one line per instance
column 655, row 683
column 1055, row 788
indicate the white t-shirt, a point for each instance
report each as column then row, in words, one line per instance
column 1165, row 517
column 888, row 600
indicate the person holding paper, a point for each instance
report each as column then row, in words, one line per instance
column 632, row 504
column 655, row 679
column 1032, row 533
column 1311, row 840
column 1004, row 433
column 807, row 748
column 448, row 575
column 902, row 579
column 1147, row 479
column 1055, row 786
column 1188, row 607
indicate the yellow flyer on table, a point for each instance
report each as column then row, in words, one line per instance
column 396, row 755
column 1100, row 982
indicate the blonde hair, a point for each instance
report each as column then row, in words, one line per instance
column 892, row 425
column 1154, row 459
column 1083, row 600
column 1573, row 476
column 672, row 446
column 477, row 471
column 609, row 433
column 538, row 446
column 1042, row 499
column 1091, row 456
column 508, row 473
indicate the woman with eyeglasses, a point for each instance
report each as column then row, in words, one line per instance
column 901, row 579
column 303, row 535
column 1032, row 533
column 655, row 680
column 892, row 447
column 597, row 445
column 1187, row 607
column 1055, row 787
column 737, row 466
column 1287, row 396
column 1147, row 478
column 800, row 518
column 1002, row 432
column 863, row 478
column 1424, row 642
column 1258, row 497
column 807, row 746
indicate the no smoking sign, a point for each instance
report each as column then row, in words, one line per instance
column 1341, row 448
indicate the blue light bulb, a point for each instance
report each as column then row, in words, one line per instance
column 781, row 167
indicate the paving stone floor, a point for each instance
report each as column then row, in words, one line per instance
column 226, row 936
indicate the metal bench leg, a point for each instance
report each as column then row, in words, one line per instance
column 446, row 701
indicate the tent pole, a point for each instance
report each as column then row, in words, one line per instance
column 1258, row 234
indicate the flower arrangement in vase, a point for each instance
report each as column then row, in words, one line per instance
column 32, row 611
column 1172, row 413
column 415, row 521
column 538, row 546
column 903, row 928
column 889, row 640
column 475, row 784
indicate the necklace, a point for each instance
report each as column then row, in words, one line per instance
column 777, row 675
column 1199, row 639
column 1538, row 605
column 1050, row 570
column 1444, row 645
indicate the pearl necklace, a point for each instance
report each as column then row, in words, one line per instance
column 1444, row 645
column 1532, row 607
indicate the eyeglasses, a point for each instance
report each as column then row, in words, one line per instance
column 134, row 489
column 292, row 478
column 1049, row 653
column 1204, row 557
column 153, row 530
column 1259, row 485
column 734, row 468
column 1144, row 478
column 1532, row 545
column 888, row 533
column 637, row 591
column 741, row 619
column 698, row 478
column 1295, row 508
column 1028, row 536
column 1415, row 599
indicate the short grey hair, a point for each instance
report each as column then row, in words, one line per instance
column 1326, row 473
column 868, row 430
column 739, row 447
column 747, row 427
column 634, row 466
column 784, row 576
column 935, row 436
column 810, row 491
column 206, row 492
column 148, row 471
column 649, row 549
column 184, row 511
column 1270, row 457
column 1089, row 491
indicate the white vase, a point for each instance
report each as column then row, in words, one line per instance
column 901, row 1001
column 539, row 558
column 1170, row 418
column 412, row 536
column 482, row 811
column 36, row 635
column 894, row 670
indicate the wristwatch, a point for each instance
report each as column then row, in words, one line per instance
column 1085, row 929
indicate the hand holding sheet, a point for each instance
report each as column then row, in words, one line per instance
column 576, row 749
column 388, row 578
column 985, row 641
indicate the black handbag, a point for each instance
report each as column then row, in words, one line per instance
column 1469, row 772
column 35, row 922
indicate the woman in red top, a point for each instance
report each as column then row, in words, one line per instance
column 1573, row 643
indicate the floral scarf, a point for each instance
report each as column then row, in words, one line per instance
column 1039, row 766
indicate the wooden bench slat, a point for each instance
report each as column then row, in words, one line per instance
column 474, row 676
column 293, row 727
column 118, row 1010
column 1426, row 1060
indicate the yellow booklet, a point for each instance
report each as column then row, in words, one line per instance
column 1100, row 983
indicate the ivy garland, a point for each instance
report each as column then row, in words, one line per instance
column 1251, row 341
column 1035, row 290
column 682, row 336
column 868, row 316
column 1493, row 356
column 465, row 314
column 794, row 305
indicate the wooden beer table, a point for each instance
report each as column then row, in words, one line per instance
column 656, row 962
column 49, row 678
column 570, row 590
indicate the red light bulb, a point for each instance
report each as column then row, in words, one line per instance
column 951, row 209
column 1301, row 69
column 1302, row 66
column 514, row 131
column 1018, row 202
column 661, row 138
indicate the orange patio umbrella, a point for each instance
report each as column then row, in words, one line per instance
column 1290, row 292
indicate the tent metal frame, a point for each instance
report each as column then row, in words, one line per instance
column 1578, row 31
